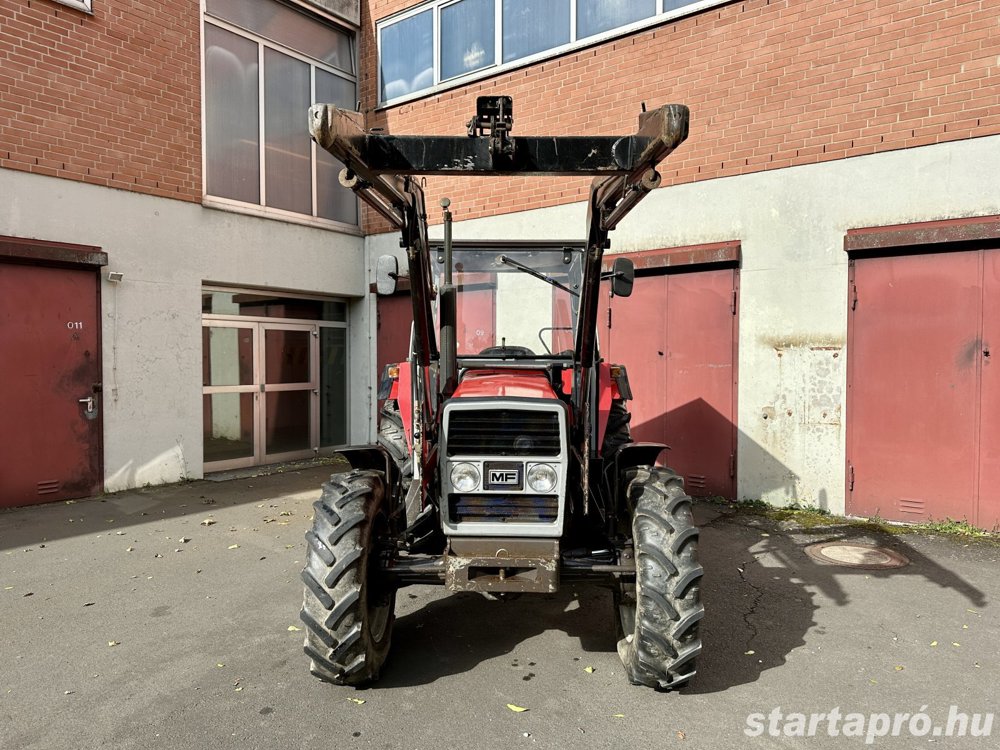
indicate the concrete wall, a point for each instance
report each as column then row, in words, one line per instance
column 152, row 344
column 793, row 284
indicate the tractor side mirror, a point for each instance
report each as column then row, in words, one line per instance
column 386, row 274
column 622, row 277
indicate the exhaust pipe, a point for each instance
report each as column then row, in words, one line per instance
column 448, row 312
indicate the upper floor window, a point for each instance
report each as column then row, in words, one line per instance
column 446, row 42
column 265, row 64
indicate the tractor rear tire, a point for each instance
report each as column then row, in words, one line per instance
column 347, row 607
column 392, row 437
column 660, row 613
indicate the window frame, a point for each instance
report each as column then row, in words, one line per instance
column 660, row 16
column 262, row 209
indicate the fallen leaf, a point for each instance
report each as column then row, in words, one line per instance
column 285, row 513
column 120, row 533
column 30, row 593
column 208, row 522
column 899, row 667
column 157, row 555
column 873, row 682
column 234, row 546
column 111, row 644
column 588, row 670
column 89, row 604
column 617, row 716
column 293, row 629
column 8, row 588
column 68, row 692
column 965, row 627
column 130, row 549
column 681, row 735
column 933, row 643
column 956, row 644
column 184, row 539
column 359, row 701
column 749, row 653
column 516, row 709
column 220, row 665
column 238, row 689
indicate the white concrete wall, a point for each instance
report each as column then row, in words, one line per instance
column 167, row 250
column 793, row 284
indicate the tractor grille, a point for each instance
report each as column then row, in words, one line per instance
column 503, row 432
column 503, row 508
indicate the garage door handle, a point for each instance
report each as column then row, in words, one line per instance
column 90, row 402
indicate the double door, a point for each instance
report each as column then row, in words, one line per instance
column 261, row 392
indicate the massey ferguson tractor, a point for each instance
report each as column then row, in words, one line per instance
column 504, row 463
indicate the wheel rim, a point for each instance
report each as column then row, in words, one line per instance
column 378, row 598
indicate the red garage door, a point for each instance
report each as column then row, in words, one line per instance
column 50, row 368
column 676, row 335
column 923, row 390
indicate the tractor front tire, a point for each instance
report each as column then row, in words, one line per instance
column 347, row 607
column 659, row 614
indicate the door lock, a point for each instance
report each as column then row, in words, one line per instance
column 90, row 404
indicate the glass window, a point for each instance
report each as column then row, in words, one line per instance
column 467, row 37
column 232, row 146
column 237, row 116
column 227, row 356
column 272, row 306
column 333, row 200
column 595, row 16
column 407, row 55
column 288, row 177
column 333, row 386
column 532, row 26
column 289, row 28
column 228, row 426
column 467, row 34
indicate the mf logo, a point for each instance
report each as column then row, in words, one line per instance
column 504, row 476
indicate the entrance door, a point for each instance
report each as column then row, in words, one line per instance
column 260, row 402
column 923, row 390
column 676, row 337
column 50, row 368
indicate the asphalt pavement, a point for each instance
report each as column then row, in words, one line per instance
column 168, row 618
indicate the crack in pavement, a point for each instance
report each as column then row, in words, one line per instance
column 758, row 595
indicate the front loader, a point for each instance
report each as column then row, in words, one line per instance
column 504, row 463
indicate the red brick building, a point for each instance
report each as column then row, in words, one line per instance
column 813, row 319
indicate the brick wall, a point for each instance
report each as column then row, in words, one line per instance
column 111, row 98
column 770, row 83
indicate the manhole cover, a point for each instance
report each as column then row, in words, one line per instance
column 850, row 555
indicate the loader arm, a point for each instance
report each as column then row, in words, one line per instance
column 380, row 167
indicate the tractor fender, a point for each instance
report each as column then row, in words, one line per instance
column 373, row 457
column 636, row 454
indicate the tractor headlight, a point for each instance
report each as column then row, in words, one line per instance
column 464, row 477
column 542, row 478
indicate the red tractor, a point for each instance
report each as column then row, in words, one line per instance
column 504, row 462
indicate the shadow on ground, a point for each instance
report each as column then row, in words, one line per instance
column 38, row 524
column 761, row 593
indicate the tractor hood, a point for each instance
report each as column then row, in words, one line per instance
column 505, row 384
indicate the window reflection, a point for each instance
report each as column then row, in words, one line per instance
column 407, row 55
column 532, row 26
column 467, row 38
